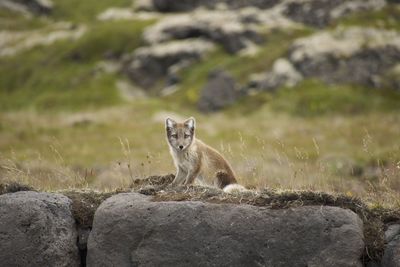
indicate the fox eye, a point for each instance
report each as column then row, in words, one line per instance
column 186, row 135
column 174, row 135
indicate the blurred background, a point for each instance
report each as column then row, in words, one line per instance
column 298, row 95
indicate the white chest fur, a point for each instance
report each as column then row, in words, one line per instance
column 186, row 160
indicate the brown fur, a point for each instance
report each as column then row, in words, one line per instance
column 194, row 160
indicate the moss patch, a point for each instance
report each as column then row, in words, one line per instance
column 14, row 187
column 85, row 204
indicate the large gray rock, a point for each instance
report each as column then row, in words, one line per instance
column 131, row 230
column 149, row 64
column 37, row 229
column 219, row 92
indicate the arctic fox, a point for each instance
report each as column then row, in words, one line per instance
column 196, row 161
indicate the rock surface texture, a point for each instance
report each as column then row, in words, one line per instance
column 283, row 73
column 219, row 92
column 37, row 229
column 131, row 230
column 391, row 258
column 226, row 28
column 187, row 5
column 320, row 13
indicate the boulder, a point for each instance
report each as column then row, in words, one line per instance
column 282, row 74
column 131, row 230
column 219, row 92
column 366, row 53
column 37, row 229
column 392, row 231
column 320, row 13
column 37, row 7
column 149, row 64
column 226, row 28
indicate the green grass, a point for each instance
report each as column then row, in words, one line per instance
column 240, row 67
column 315, row 98
column 387, row 18
column 63, row 75
column 309, row 98
column 83, row 11
column 13, row 21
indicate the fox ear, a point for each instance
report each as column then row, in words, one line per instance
column 191, row 123
column 169, row 123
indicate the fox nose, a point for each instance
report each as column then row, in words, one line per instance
column 181, row 147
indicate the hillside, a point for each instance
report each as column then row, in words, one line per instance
column 301, row 97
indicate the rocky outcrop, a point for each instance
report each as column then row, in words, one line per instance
column 369, row 55
column 320, row 13
column 219, row 92
column 238, row 26
column 37, row 7
column 149, row 64
column 366, row 53
column 316, row 13
column 37, row 229
column 129, row 229
column 188, row 5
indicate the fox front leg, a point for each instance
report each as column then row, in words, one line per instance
column 179, row 177
column 192, row 175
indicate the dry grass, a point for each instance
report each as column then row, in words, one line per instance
column 357, row 155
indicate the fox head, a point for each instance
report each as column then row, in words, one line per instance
column 180, row 135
